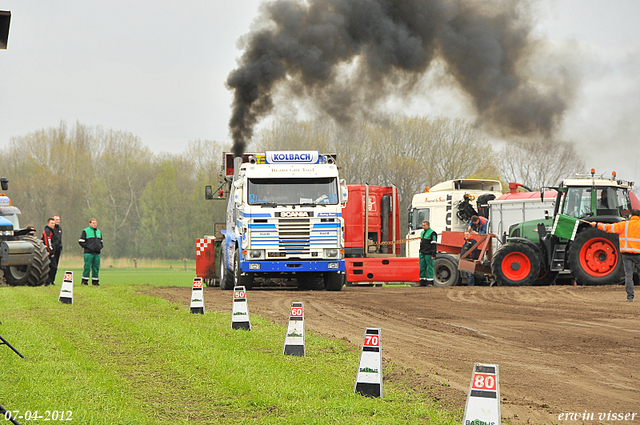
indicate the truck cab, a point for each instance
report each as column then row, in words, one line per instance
column 440, row 206
column 284, row 221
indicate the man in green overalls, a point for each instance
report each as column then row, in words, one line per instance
column 428, row 248
column 91, row 241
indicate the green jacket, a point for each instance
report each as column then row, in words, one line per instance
column 91, row 240
column 428, row 239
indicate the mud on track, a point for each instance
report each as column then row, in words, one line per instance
column 560, row 348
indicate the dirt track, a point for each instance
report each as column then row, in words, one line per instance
column 560, row 349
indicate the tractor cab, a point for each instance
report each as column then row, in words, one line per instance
column 566, row 241
column 608, row 200
column 8, row 216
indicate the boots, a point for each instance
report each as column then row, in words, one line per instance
column 85, row 280
column 94, row 281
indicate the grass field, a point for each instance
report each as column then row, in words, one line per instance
column 120, row 356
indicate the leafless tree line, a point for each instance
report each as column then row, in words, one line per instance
column 146, row 205
column 152, row 205
column 414, row 152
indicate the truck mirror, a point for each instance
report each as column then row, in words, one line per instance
column 237, row 197
column 344, row 193
column 5, row 183
column 542, row 194
column 208, row 192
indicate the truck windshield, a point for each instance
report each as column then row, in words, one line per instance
column 417, row 216
column 296, row 191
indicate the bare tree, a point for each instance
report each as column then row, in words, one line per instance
column 121, row 171
column 540, row 162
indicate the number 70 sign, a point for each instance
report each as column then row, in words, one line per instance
column 371, row 340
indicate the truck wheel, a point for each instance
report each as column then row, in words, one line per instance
column 546, row 277
column 226, row 276
column 246, row 281
column 594, row 258
column 35, row 274
column 445, row 272
column 310, row 281
column 515, row 264
column 334, row 281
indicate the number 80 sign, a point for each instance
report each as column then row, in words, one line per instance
column 484, row 381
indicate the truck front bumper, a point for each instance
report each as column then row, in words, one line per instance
column 291, row 266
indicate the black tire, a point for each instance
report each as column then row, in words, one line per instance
column 445, row 271
column 239, row 280
column 594, row 258
column 310, row 281
column 35, row 274
column 334, row 281
column 226, row 276
column 545, row 278
column 515, row 264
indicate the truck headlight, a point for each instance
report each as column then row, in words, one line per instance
column 333, row 265
column 256, row 253
column 331, row 253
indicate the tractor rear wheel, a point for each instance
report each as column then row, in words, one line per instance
column 35, row 274
column 594, row 258
column 515, row 264
column 445, row 272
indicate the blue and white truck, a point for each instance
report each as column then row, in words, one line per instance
column 284, row 220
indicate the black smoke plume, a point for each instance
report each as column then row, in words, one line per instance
column 345, row 55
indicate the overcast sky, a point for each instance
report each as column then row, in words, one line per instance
column 156, row 68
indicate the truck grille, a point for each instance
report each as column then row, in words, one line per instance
column 295, row 237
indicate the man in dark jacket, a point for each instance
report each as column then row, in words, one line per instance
column 91, row 241
column 57, row 231
column 57, row 241
column 428, row 248
column 49, row 239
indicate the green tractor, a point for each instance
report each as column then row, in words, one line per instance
column 536, row 251
column 24, row 260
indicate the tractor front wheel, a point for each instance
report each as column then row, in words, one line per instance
column 515, row 264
